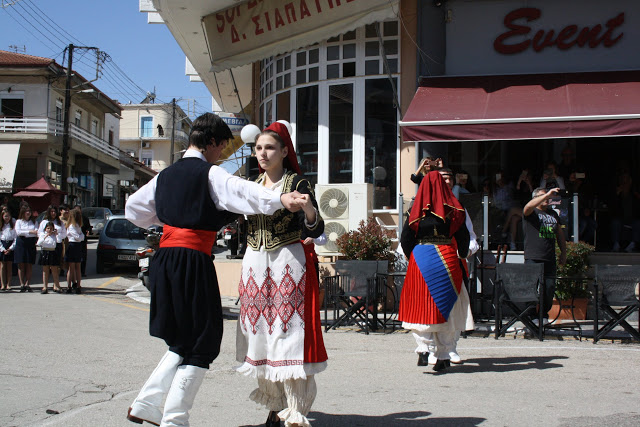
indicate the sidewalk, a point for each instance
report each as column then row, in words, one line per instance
column 231, row 311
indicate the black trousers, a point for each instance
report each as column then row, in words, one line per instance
column 83, row 264
column 549, row 282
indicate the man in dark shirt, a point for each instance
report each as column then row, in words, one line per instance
column 542, row 229
column 86, row 230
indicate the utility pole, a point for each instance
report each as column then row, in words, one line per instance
column 173, row 129
column 66, row 125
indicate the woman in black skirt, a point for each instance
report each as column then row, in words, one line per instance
column 73, row 255
column 25, row 252
column 48, row 256
column 7, row 245
column 59, row 233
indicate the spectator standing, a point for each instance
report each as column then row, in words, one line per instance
column 86, row 230
column 542, row 229
column 64, row 217
column 47, row 240
column 25, row 250
column 73, row 256
column 7, row 245
column 60, row 233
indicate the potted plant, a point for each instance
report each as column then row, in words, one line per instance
column 369, row 242
column 572, row 293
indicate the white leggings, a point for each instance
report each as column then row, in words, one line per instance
column 438, row 343
column 291, row 398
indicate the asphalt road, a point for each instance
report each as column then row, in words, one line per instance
column 79, row 360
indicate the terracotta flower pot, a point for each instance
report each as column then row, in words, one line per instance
column 561, row 310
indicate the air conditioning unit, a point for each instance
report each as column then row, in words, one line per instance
column 146, row 144
column 342, row 206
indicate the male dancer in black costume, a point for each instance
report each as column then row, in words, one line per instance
column 193, row 199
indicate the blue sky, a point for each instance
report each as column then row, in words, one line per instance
column 147, row 54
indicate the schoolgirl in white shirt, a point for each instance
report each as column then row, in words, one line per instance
column 25, row 250
column 7, row 245
column 73, row 255
column 53, row 260
column 48, row 257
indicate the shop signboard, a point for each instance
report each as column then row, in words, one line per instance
column 541, row 36
column 257, row 29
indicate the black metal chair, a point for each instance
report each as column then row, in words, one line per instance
column 520, row 287
column 616, row 286
column 352, row 294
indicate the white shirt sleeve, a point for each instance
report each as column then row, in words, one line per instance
column 141, row 205
column 473, row 242
column 235, row 194
column 75, row 233
column 320, row 240
column 62, row 233
column 23, row 227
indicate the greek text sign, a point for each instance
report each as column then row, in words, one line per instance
column 261, row 28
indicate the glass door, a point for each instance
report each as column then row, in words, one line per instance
column 341, row 133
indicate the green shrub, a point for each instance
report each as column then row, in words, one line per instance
column 576, row 266
column 369, row 242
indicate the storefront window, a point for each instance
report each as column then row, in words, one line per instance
column 340, row 133
column 381, row 138
column 340, row 122
column 307, row 131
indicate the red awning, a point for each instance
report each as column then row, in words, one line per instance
column 531, row 106
column 31, row 193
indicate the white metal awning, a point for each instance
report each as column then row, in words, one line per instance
column 8, row 162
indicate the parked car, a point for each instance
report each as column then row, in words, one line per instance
column 118, row 243
column 117, row 211
column 98, row 218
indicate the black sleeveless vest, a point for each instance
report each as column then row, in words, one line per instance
column 183, row 200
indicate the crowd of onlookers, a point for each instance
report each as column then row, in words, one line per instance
column 618, row 199
column 61, row 236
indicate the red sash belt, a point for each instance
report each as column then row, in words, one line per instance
column 199, row 240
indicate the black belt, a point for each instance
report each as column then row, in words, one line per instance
column 435, row 240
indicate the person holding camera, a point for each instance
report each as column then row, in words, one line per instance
column 542, row 228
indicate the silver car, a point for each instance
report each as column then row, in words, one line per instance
column 97, row 218
column 118, row 243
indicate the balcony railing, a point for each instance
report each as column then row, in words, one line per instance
column 53, row 127
column 166, row 134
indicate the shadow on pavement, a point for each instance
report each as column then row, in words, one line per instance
column 399, row 419
column 503, row 364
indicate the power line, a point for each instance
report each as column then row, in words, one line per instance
column 44, row 26
column 52, row 22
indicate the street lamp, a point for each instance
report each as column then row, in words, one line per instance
column 71, row 181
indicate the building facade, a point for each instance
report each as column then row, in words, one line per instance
column 146, row 129
column 32, row 95
column 495, row 88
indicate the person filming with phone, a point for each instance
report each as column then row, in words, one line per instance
column 542, row 228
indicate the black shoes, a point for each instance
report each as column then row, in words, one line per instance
column 23, row 289
column 423, row 359
column 44, row 291
column 273, row 420
column 69, row 290
column 441, row 365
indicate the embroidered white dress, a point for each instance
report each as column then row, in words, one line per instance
column 270, row 336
